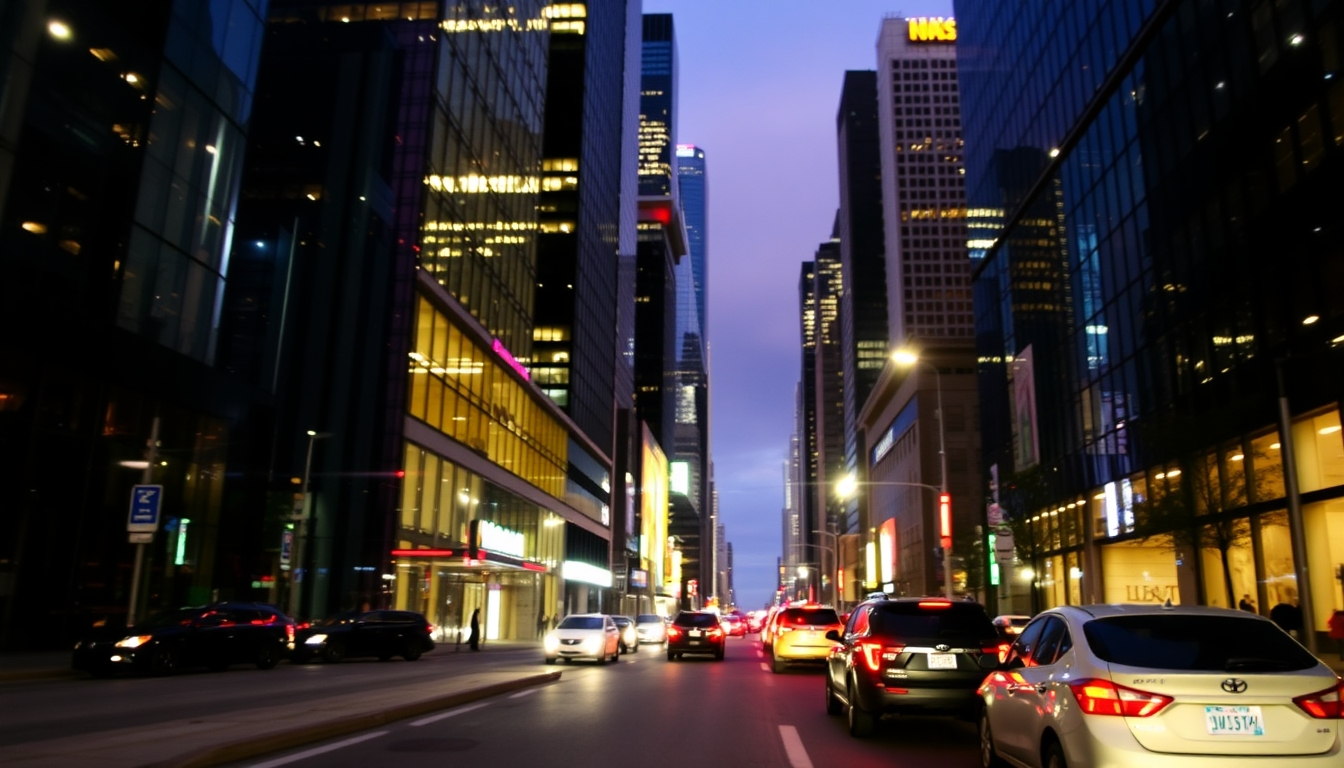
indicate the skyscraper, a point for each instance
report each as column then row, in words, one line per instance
column 809, row 502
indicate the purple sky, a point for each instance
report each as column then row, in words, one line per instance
column 759, row 86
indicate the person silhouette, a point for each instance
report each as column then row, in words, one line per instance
column 1246, row 604
column 474, row 631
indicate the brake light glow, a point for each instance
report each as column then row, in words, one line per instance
column 1324, row 705
column 673, row 633
column 1000, row 650
column 716, row 632
column 872, row 654
column 1102, row 697
column 429, row 628
column 289, row 632
column 935, row 604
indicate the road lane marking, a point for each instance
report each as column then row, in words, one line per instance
column 521, row 694
column 765, row 667
column 760, row 654
column 319, row 750
column 449, row 713
column 793, row 747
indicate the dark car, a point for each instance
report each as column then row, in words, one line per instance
column 910, row 655
column 695, row 632
column 382, row 634
column 213, row 636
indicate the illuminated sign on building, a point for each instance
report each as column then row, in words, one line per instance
column 496, row 538
column 639, row 578
column 573, row 570
column 506, row 356
column 681, row 477
column 932, row 30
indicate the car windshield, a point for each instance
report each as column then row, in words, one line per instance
column 621, row 621
column 805, row 617
column 581, row 622
column 1196, row 643
column 700, row 620
column 336, row 620
column 935, row 620
column 649, row 618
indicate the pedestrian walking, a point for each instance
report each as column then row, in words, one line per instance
column 474, row 631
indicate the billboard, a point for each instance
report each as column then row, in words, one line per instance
column 1026, row 444
column 653, row 510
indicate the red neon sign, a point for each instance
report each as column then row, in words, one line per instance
column 506, row 356
column 945, row 518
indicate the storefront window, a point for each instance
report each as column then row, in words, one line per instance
column 1279, row 580
column 1266, row 467
column 1075, row 566
column 1320, row 451
column 1140, row 571
column 1234, row 475
column 1324, row 523
column 1228, row 562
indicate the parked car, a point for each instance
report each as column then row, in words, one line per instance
column 213, row 636
column 383, row 634
column 592, row 636
column 909, row 655
column 800, row 635
column 629, row 634
column 1160, row 687
column 695, row 632
column 651, row 628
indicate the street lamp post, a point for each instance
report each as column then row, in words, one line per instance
column 834, row 551
column 909, row 358
column 295, row 585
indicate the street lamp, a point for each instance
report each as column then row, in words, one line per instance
column 295, row 587
column 834, row 550
column 906, row 358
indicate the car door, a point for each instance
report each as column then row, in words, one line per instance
column 1038, row 693
column 365, row 637
column 841, row 660
column 613, row 632
column 211, row 641
column 1010, row 715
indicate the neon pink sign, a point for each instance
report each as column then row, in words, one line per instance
column 498, row 347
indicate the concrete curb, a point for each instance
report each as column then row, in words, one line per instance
column 242, row 749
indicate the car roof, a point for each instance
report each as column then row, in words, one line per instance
column 1104, row 610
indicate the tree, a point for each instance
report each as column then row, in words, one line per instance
column 1022, row 495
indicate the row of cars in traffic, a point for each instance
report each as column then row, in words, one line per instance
column 223, row 634
column 1114, row 685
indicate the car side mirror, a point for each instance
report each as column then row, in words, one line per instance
column 833, row 635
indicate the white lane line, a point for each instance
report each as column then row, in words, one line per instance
column 760, row 654
column 449, row 713
column 793, row 747
column 765, row 667
column 319, row 750
column 521, row 694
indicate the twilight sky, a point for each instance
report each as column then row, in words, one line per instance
column 759, row 86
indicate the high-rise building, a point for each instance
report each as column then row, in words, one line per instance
column 694, row 188
column 863, row 305
column 1182, row 183
column 810, row 510
column 829, row 391
column 122, row 130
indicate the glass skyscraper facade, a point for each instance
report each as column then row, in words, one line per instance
column 1160, row 185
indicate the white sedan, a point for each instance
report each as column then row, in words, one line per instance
column 584, row 636
column 1159, row 687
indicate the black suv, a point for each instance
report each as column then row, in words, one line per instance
column 695, row 632
column 383, row 634
column 213, row 636
column 910, row 655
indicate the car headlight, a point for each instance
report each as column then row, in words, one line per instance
column 134, row 641
column 552, row 643
column 315, row 640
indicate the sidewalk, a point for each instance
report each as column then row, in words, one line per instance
column 219, row 739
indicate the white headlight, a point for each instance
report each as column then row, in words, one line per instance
column 135, row 641
column 552, row 643
column 315, row 640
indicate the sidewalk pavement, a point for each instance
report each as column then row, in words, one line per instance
column 232, row 736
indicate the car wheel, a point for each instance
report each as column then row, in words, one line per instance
column 1053, row 757
column 334, row 652
column 550, row 660
column 267, row 657
column 163, row 662
column 988, row 757
column 671, row 656
column 777, row 665
column 412, row 651
column 861, row 722
column 832, row 704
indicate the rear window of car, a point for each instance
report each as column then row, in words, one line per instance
column 581, row 622
column 940, row 620
column 805, row 617
column 1195, row 643
column 649, row 618
column 701, row 620
column 621, row 621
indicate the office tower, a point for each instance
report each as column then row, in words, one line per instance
column 863, row 307
column 694, row 188
column 658, row 108
column 121, row 141
column 830, row 407
column 790, row 513
column 411, row 310
column 918, row 424
column 1188, row 175
column 810, row 512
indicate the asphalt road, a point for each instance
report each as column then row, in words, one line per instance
column 36, row 710
column 648, row 712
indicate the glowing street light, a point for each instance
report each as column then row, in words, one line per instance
column 908, row 358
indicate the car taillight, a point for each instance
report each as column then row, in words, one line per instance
column 1324, row 705
column 302, row 625
column 1000, row 650
column 783, row 629
column 289, row 632
column 935, row 604
column 1102, row 697
column 429, row 628
column 873, row 652
column 673, row 633
column 716, row 632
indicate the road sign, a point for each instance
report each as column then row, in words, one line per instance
column 286, row 547
column 144, row 517
column 1003, row 546
column 141, row 538
column 995, row 514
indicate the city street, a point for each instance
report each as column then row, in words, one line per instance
column 649, row 712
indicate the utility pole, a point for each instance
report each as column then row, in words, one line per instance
column 146, row 477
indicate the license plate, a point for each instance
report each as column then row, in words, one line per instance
column 695, row 642
column 942, row 661
column 1234, row 721
column 696, row 633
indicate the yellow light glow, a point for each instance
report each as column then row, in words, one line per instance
column 1238, row 457
column 478, row 184
column 1330, row 430
column 1309, row 319
column 58, row 29
column 903, row 357
column 929, row 30
column 1273, row 446
column 36, row 227
column 1174, row 473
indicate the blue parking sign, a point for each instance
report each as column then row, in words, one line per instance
column 144, row 517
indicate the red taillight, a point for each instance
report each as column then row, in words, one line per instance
column 429, row 628
column 1102, row 697
column 1000, row 650
column 716, row 632
column 935, row 604
column 872, row 654
column 303, row 625
column 289, row 632
column 673, row 633
column 1324, row 705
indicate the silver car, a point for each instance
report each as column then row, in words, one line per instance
column 1157, row 686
